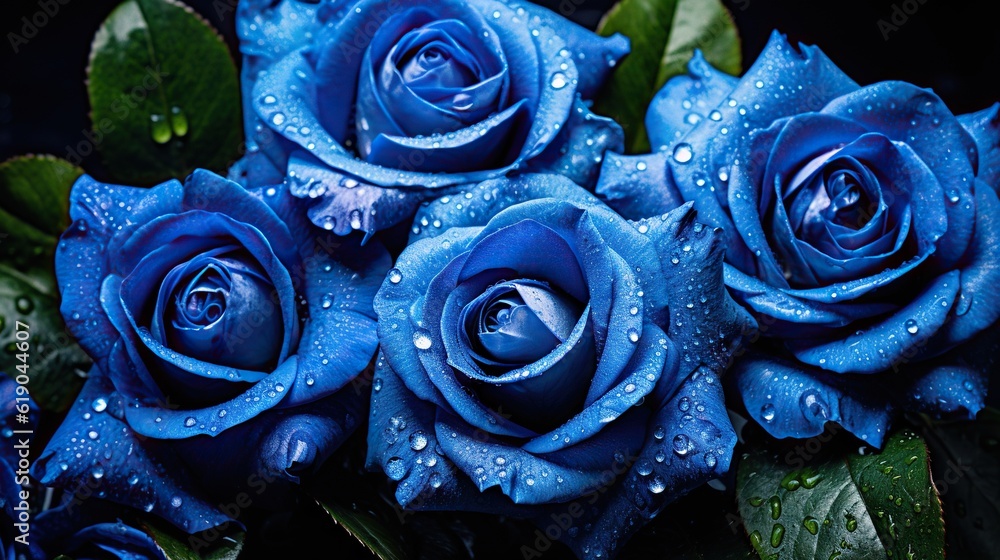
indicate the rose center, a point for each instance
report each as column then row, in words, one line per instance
column 519, row 322
column 207, row 296
column 217, row 308
column 848, row 202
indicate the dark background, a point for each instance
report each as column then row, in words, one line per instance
column 952, row 47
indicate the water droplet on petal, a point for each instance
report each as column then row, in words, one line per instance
column 395, row 276
column 682, row 444
column 657, row 485
column 911, row 326
column 767, row 412
column 559, row 80
column 633, row 335
column 99, row 404
column 683, row 153
column 418, row 441
column 421, row 340
column 395, row 468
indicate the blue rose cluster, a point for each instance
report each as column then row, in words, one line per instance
column 552, row 340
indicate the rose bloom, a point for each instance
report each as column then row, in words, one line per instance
column 545, row 358
column 862, row 229
column 225, row 331
column 370, row 107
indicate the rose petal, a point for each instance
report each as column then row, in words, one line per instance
column 81, row 259
column 577, row 152
column 792, row 400
column 638, row 186
column 685, row 100
column 881, row 345
column 689, row 441
column 984, row 127
column 113, row 456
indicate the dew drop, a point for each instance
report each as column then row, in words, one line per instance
column 395, row 468
column 777, row 534
column 159, row 129
column 190, row 422
column 657, row 485
column 633, row 335
column 683, row 152
column 395, row 276
column 558, row 81
column 418, row 441
column 24, row 305
column 178, row 121
column 684, row 404
column 99, row 404
column 911, row 326
column 682, row 444
column 176, row 501
column 767, row 412
column 774, row 504
column 421, row 340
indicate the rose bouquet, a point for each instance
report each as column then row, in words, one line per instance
column 495, row 279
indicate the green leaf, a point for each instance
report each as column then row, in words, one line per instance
column 35, row 191
column 896, row 485
column 213, row 544
column 664, row 34
column 164, row 93
column 53, row 358
column 368, row 530
column 879, row 505
column 965, row 462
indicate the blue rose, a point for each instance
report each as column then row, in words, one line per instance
column 226, row 331
column 863, row 232
column 372, row 106
column 543, row 357
column 94, row 529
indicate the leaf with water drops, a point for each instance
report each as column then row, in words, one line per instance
column 815, row 499
column 176, row 545
column 966, row 469
column 664, row 34
column 164, row 94
column 35, row 191
column 369, row 531
column 29, row 304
